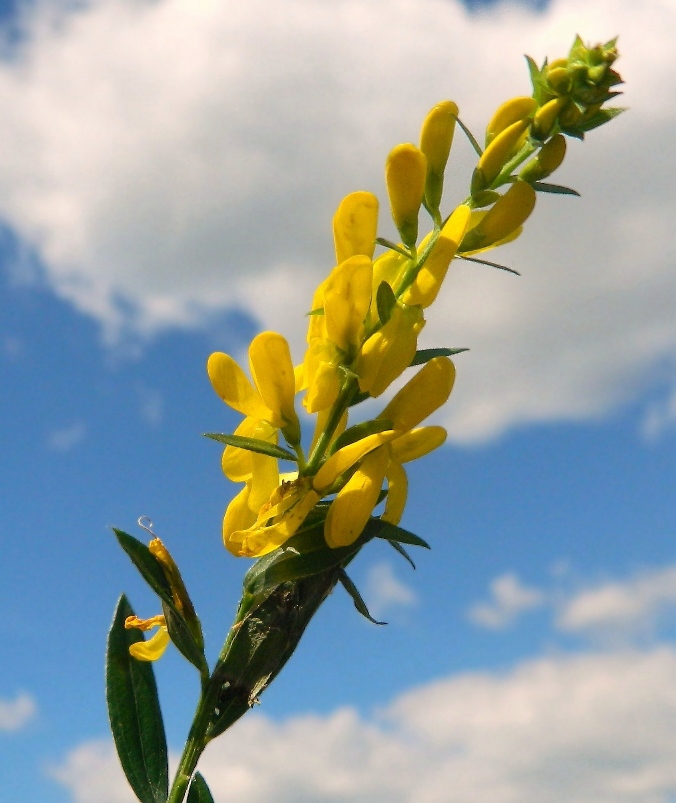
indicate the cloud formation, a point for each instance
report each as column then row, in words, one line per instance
column 384, row 591
column 15, row 714
column 509, row 599
column 168, row 161
column 597, row 727
column 66, row 438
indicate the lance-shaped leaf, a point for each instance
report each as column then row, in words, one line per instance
column 253, row 445
column 425, row 355
column 152, row 573
column 400, row 549
column 489, row 264
column 199, row 791
column 554, row 189
column 393, row 246
column 134, row 711
column 359, row 603
column 391, row 532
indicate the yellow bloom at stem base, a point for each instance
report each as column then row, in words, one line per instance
column 154, row 647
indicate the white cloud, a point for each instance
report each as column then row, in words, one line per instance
column 659, row 417
column 14, row 714
column 509, row 598
column 626, row 608
column 384, row 591
column 598, row 728
column 66, row 438
column 169, row 160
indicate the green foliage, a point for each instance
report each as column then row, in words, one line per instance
column 134, row 712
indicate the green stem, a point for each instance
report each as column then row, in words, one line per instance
column 339, row 406
column 195, row 743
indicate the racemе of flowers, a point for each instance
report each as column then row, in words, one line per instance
column 347, row 484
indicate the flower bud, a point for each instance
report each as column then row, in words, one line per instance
column 509, row 113
column 355, row 226
column 548, row 159
column 545, row 118
column 503, row 219
column 436, row 139
column 405, row 173
column 497, row 154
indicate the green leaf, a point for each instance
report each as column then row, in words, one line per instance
column 134, row 712
column 146, row 563
column 359, row 603
column 400, row 549
column 358, row 398
column 253, row 445
column 425, row 355
column 390, row 532
column 393, row 246
column 554, row 189
column 360, row 431
column 386, row 301
column 490, row 264
column 152, row 573
column 199, row 791
column 470, row 137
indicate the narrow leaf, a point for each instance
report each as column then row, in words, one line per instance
column 386, row 301
column 253, row 445
column 490, row 264
column 470, row 137
column 358, row 398
column 134, row 712
column 425, row 355
column 199, row 791
column 393, row 246
column 152, row 573
column 146, row 563
column 400, row 549
column 359, row 603
column 554, row 189
column 390, row 532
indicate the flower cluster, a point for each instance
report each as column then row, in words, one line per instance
column 366, row 316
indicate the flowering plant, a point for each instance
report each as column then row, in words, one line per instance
column 348, row 484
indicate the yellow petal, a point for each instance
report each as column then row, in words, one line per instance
column 272, row 371
column 503, row 221
column 428, row 282
column 355, row 225
column 323, row 376
column 236, row 462
column 388, row 352
column 436, row 139
column 238, row 516
column 417, row 443
column 352, row 507
column 405, row 173
column 232, row 385
column 347, row 298
column 345, row 458
column 422, row 395
column 510, row 112
column 501, row 148
column 153, row 648
column 263, row 538
column 397, row 493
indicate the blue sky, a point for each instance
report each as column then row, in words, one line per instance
column 168, row 172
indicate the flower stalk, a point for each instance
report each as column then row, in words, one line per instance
column 349, row 486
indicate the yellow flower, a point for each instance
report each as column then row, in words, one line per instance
column 354, row 226
column 153, row 648
column 405, row 174
column 390, row 350
column 340, row 306
column 502, row 223
column 410, row 446
column 354, row 503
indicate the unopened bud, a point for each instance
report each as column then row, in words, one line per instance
column 405, row 173
column 355, row 226
column 436, row 139
column 545, row 118
column 498, row 153
column 509, row 113
column 547, row 160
